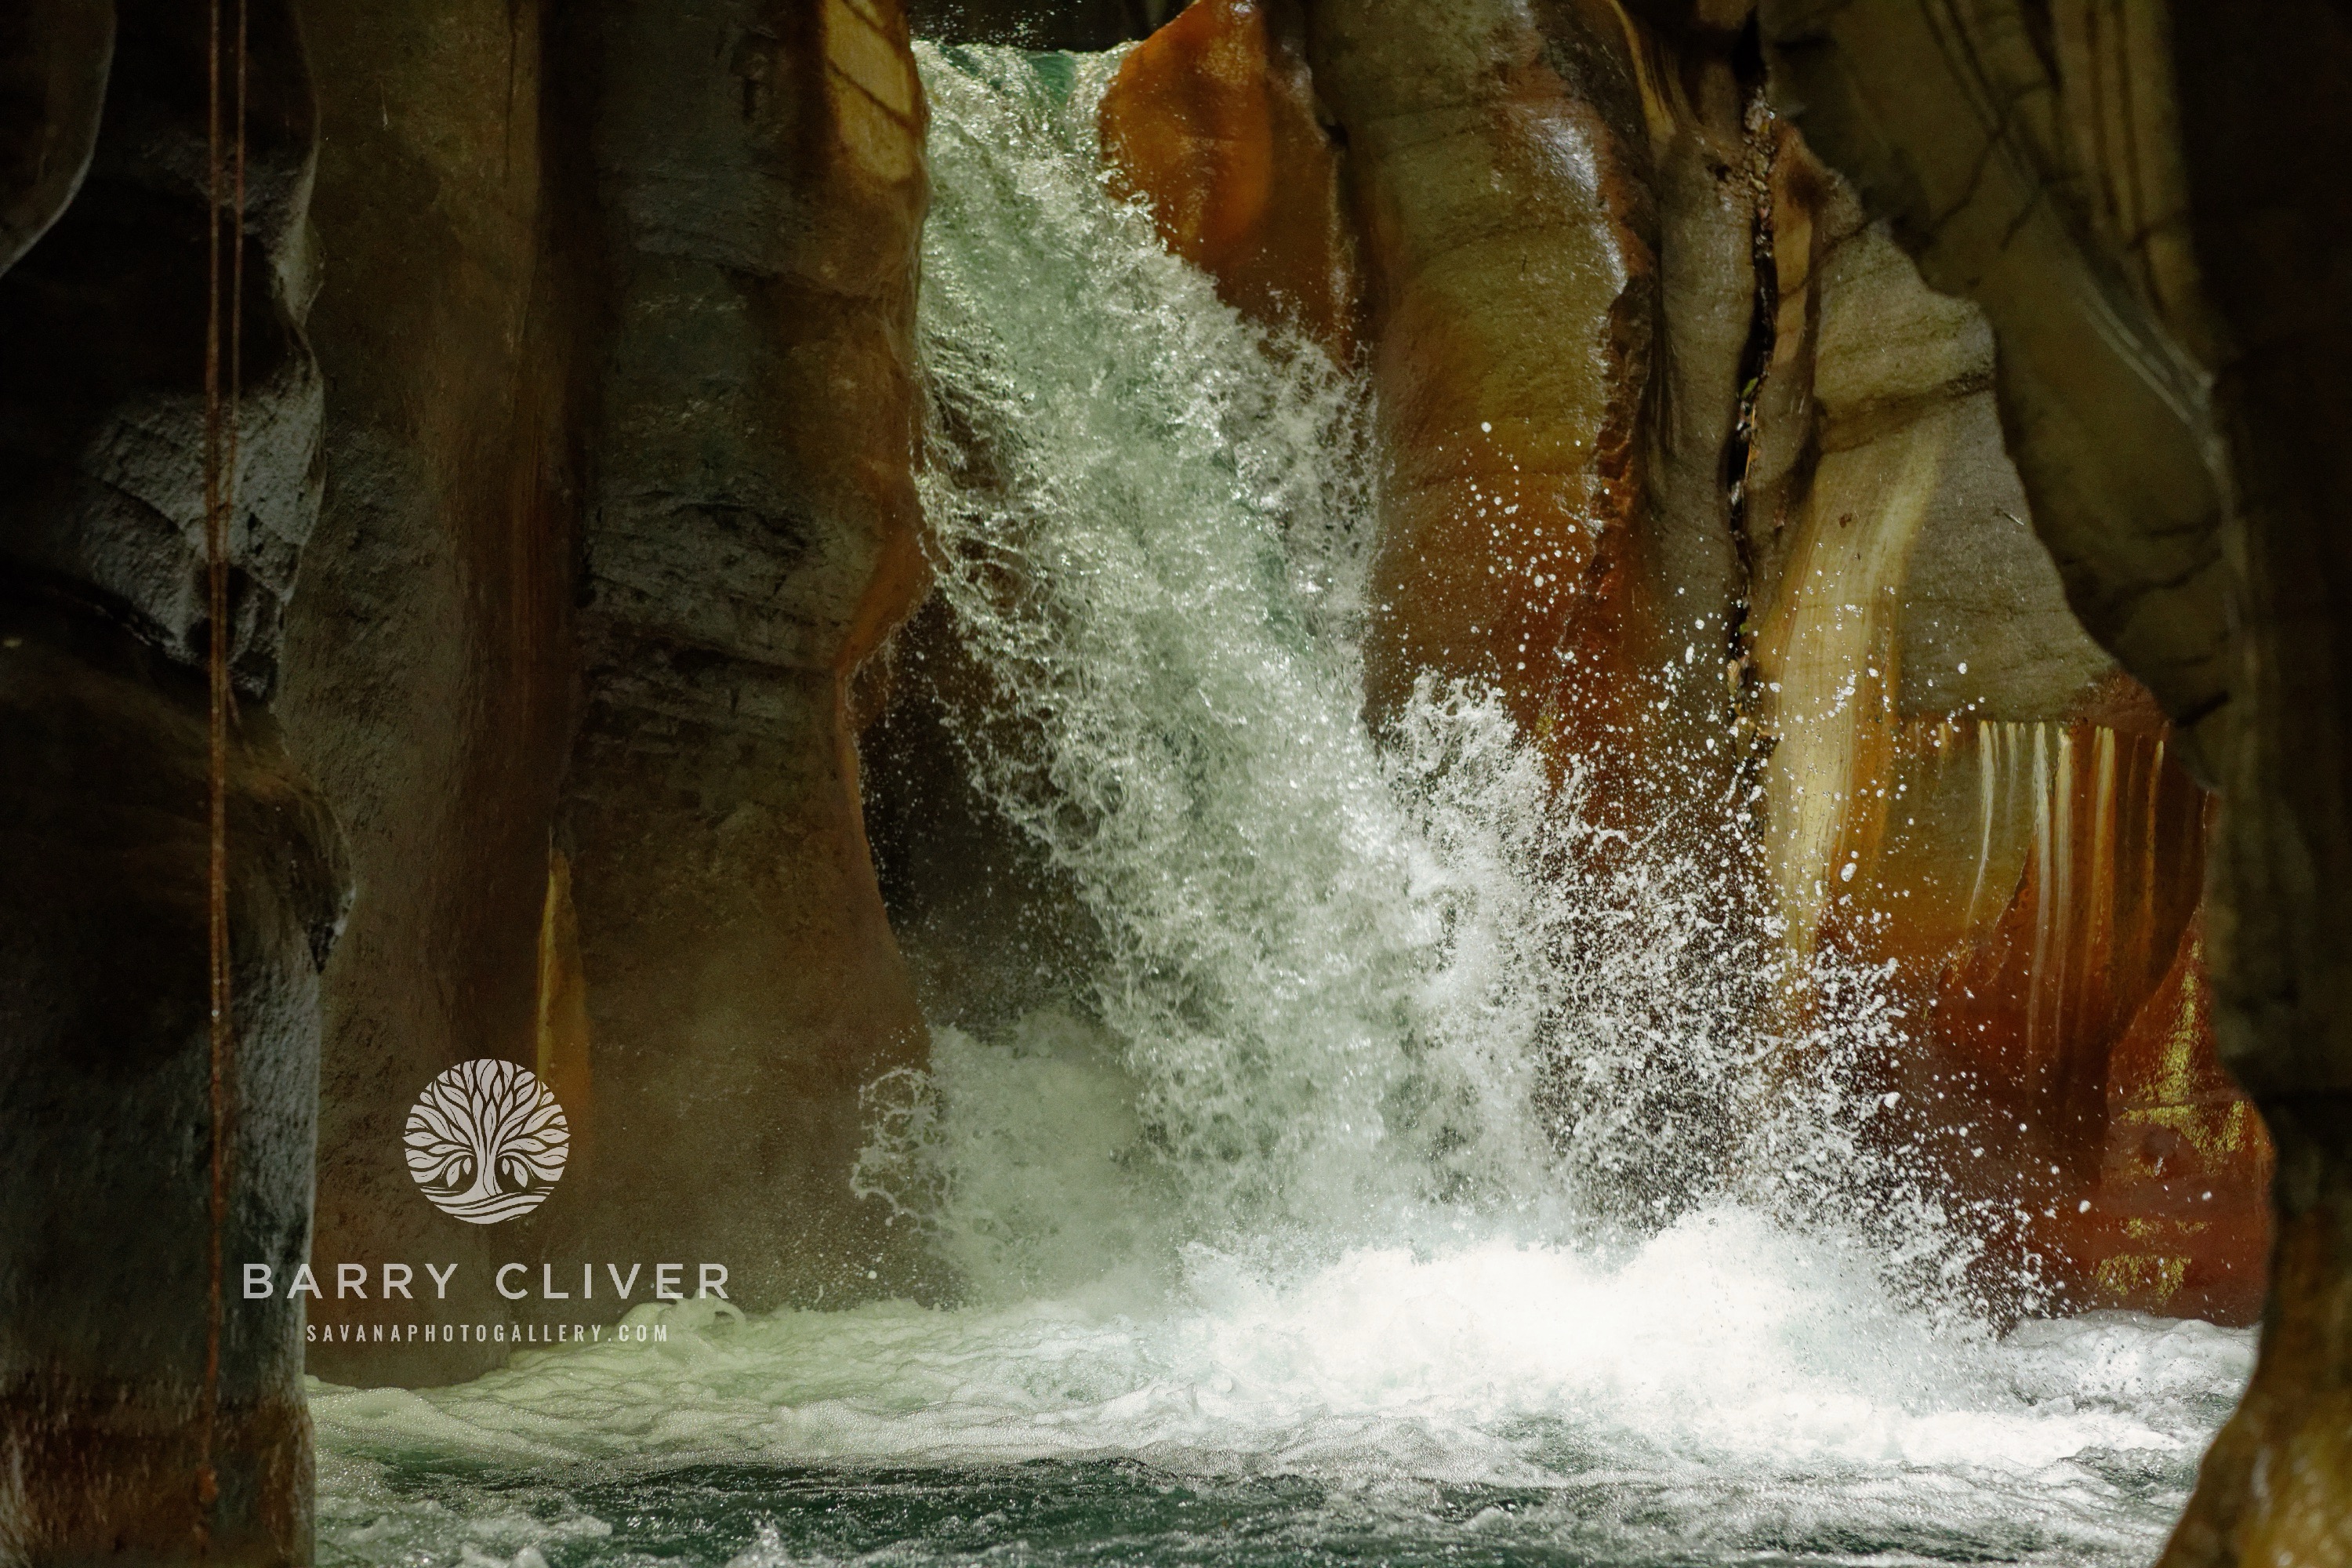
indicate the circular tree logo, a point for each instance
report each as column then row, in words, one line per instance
column 486, row 1141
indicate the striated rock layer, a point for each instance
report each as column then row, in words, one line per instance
column 1963, row 785
column 430, row 669
column 2153, row 235
column 750, row 538
column 128, row 1430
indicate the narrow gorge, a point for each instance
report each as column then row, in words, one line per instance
column 1263, row 779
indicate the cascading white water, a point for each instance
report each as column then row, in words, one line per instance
column 1418, row 1172
column 1350, row 986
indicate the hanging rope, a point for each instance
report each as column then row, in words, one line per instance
column 220, row 502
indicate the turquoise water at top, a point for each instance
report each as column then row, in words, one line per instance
column 1410, row 1179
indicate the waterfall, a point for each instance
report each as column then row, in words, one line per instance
column 1415, row 1169
column 1351, row 985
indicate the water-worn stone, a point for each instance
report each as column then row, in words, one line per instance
column 107, row 1282
column 1213, row 122
column 1964, row 785
column 1502, row 166
column 430, row 668
column 2141, row 199
column 751, row 537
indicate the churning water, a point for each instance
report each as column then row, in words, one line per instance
column 1418, row 1174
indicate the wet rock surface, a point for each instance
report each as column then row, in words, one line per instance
column 115, row 1398
column 1213, row 121
column 1687, row 459
column 1964, row 785
column 1502, row 173
column 750, row 538
column 430, row 668
column 2141, row 233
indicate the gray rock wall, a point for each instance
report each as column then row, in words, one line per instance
column 117, row 1443
column 750, row 538
column 430, row 663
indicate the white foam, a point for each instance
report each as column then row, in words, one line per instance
column 1723, row 1346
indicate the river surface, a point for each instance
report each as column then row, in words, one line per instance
column 1726, row 1394
column 1410, row 1173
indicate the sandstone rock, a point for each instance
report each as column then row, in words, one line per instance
column 2106, row 420
column 1963, row 785
column 105, row 1264
column 430, row 665
column 107, row 415
column 2141, row 203
column 1213, row 122
column 1502, row 174
column 1953, row 777
column 634, row 861
column 751, row 538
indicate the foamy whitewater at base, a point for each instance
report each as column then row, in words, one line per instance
column 1725, row 1392
column 1416, row 1177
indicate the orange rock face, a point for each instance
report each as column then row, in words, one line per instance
column 1213, row 123
column 1965, row 789
column 1512, row 288
column 1505, row 176
column 2037, row 889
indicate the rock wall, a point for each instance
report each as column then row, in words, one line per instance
column 1538, row 528
column 430, row 666
column 750, row 538
column 1215, row 123
column 2140, row 199
column 1963, row 785
column 117, row 1441
column 587, row 721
